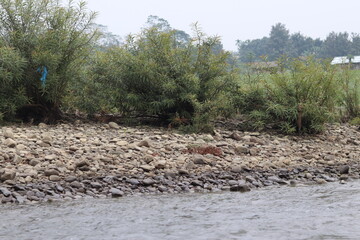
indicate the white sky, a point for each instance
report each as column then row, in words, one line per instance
column 232, row 19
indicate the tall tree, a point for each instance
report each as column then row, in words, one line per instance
column 355, row 46
column 278, row 41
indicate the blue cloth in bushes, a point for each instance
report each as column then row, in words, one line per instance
column 44, row 72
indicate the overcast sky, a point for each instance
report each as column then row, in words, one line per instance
column 232, row 19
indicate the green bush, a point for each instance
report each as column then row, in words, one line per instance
column 155, row 74
column 349, row 94
column 298, row 98
column 12, row 94
column 47, row 33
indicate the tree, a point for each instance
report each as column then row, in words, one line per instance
column 163, row 25
column 252, row 50
column 299, row 45
column 336, row 44
column 278, row 41
column 355, row 46
column 107, row 39
column 53, row 39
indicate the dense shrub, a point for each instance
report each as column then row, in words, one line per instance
column 12, row 94
column 349, row 94
column 155, row 74
column 301, row 97
column 48, row 35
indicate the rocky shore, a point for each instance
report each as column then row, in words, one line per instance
column 70, row 161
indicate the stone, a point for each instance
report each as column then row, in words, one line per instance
column 50, row 157
column 236, row 169
column 148, row 181
column 235, row 136
column 115, row 193
column 344, row 169
column 241, row 150
column 9, row 142
column 147, row 168
column 197, row 183
column 293, row 183
column 320, row 181
column 7, row 175
column 233, row 182
column 42, row 125
column 8, row 133
column 240, row 188
column 20, row 147
column 5, row 191
column 70, row 179
column 160, row 164
column 81, row 163
column 162, row 188
column 133, row 181
column 144, row 143
column 344, row 177
column 59, row 188
column 199, row 160
column 148, row 159
column 19, row 199
column 54, row 178
column 183, row 172
column 122, row 143
column 46, row 138
column 308, row 176
column 76, row 184
column 49, row 172
column 113, row 125
column 277, row 180
column 34, row 162
column 95, row 185
column 253, row 151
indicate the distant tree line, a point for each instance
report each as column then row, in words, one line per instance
column 280, row 42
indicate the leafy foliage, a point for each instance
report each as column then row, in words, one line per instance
column 46, row 34
column 12, row 95
column 349, row 94
column 300, row 98
column 155, row 74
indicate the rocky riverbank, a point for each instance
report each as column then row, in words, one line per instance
column 69, row 161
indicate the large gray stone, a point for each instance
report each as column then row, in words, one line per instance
column 115, row 193
column 7, row 174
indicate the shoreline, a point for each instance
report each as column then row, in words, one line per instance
column 70, row 161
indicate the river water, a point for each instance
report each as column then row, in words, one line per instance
column 329, row 211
